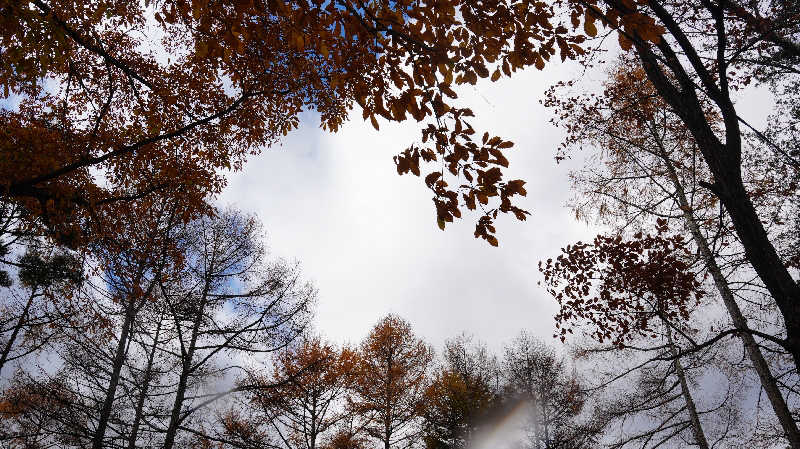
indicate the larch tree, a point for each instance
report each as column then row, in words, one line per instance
column 347, row 437
column 392, row 372
column 304, row 400
column 85, row 366
column 39, row 414
column 93, row 351
column 134, row 264
column 229, row 302
column 462, row 394
column 471, row 359
column 181, row 307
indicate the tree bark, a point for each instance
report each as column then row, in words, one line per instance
column 137, row 419
column 119, row 358
column 694, row 418
column 760, row 365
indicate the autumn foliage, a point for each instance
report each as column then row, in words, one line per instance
column 392, row 372
column 120, row 120
column 619, row 286
column 303, row 397
column 154, row 96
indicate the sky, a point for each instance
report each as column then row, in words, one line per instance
column 368, row 238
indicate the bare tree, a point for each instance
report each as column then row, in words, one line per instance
column 653, row 169
column 229, row 303
column 532, row 371
column 166, row 326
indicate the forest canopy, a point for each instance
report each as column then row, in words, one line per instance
column 138, row 312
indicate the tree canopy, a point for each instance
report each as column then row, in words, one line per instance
column 117, row 100
column 120, row 122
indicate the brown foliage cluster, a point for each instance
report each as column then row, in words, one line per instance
column 618, row 286
column 118, row 100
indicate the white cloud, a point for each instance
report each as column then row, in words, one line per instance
column 368, row 237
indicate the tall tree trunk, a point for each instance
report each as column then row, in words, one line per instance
column 119, row 359
column 760, row 365
column 386, row 444
column 724, row 162
column 387, row 428
column 313, row 422
column 764, row 258
column 768, row 382
column 186, row 369
column 389, row 399
column 137, row 418
column 697, row 427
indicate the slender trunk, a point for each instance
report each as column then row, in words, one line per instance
column 724, row 162
column 389, row 399
column 764, row 259
column 760, row 365
column 697, row 427
column 137, row 419
column 17, row 327
column 543, row 400
column 387, row 429
column 186, row 368
column 313, row 421
column 177, row 405
column 119, row 358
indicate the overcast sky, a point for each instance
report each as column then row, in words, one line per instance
column 368, row 238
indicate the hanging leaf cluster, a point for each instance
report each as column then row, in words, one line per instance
column 114, row 100
column 620, row 289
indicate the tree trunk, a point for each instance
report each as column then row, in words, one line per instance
column 119, row 358
column 697, row 427
column 764, row 258
column 137, row 419
column 13, row 337
column 724, row 162
column 760, row 365
column 186, row 368
column 177, row 405
column 389, row 399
